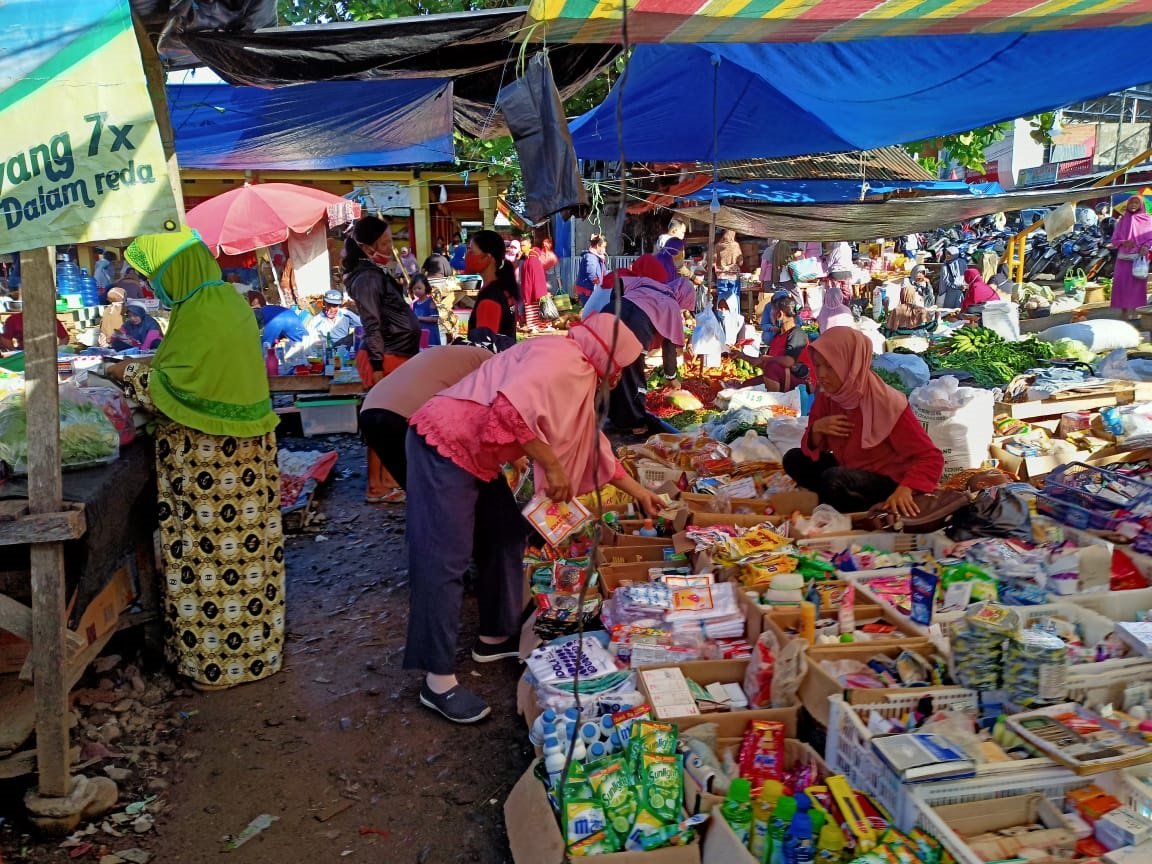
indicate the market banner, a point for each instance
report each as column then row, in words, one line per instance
column 747, row 21
column 80, row 158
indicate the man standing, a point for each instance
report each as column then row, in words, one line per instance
column 677, row 229
column 727, row 263
column 952, row 285
column 105, row 271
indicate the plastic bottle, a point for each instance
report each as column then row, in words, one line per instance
column 808, row 622
column 570, row 721
column 648, row 529
column 737, row 808
column 762, row 809
column 614, row 743
column 799, row 844
column 831, row 844
column 590, row 733
column 579, row 751
column 596, row 751
column 546, row 718
column 778, row 828
column 270, row 363
column 607, row 727
column 553, row 756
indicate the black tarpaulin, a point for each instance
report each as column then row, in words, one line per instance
column 166, row 21
column 475, row 49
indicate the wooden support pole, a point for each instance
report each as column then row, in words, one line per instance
column 155, row 76
column 45, row 494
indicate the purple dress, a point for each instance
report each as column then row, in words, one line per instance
column 1132, row 235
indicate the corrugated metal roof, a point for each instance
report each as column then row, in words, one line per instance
column 884, row 163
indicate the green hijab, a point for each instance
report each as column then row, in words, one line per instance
column 208, row 373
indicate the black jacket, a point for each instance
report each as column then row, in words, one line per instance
column 390, row 325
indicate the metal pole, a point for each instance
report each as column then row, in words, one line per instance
column 1119, row 130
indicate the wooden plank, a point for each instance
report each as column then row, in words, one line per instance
column 43, row 528
column 356, row 389
column 24, row 763
column 298, row 383
column 15, row 618
column 45, row 493
column 1055, row 407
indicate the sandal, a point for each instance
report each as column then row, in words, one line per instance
column 394, row 496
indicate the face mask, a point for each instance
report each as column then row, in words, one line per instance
column 474, row 262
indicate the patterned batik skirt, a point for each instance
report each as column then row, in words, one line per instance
column 223, row 554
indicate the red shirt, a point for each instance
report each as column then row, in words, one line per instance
column 14, row 329
column 907, row 455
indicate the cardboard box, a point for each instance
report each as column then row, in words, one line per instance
column 696, row 800
column 732, row 723
column 1086, row 399
column 782, row 503
column 977, row 817
column 631, row 554
column 818, row 685
column 103, row 613
column 1036, row 468
column 781, row 620
column 534, row 834
column 608, row 537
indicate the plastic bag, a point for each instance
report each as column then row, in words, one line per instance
column 761, row 668
column 708, row 338
column 116, row 409
column 87, row 436
column 913, row 371
column 824, row 520
column 751, row 447
column 733, row 326
column 787, row 433
column 1140, row 268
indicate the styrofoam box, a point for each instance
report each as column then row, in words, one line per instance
column 849, row 752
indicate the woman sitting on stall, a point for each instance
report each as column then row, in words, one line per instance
column 536, row 400
column 910, row 318
column 864, row 446
column 495, row 308
column 217, row 481
column 140, row 330
column 977, row 293
column 654, row 312
column 786, row 365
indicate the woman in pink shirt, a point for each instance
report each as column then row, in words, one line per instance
column 534, row 401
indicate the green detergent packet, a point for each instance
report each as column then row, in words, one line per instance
column 662, row 785
column 612, row 782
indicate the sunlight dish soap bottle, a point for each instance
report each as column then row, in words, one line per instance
column 762, row 817
column 737, row 809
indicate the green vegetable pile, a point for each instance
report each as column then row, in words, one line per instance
column 892, row 380
column 983, row 353
column 86, row 434
column 688, row 419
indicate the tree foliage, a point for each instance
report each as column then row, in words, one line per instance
column 966, row 149
column 324, row 11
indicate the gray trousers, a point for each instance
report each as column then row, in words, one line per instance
column 453, row 518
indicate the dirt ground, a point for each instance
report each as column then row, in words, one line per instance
column 336, row 747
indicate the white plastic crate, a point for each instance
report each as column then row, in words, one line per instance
column 329, row 416
column 1054, row 786
column 849, row 751
column 1114, row 605
column 886, row 541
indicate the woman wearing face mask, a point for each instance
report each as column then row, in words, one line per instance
column 496, row 302
column 391, row 330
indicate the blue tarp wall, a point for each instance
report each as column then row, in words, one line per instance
column 328, row 125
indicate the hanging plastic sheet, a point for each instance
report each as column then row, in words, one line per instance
column 535, row 115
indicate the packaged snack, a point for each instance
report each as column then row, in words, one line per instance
column 651, row 736
column 923, row 596
column 758, row 675
column 662, row 784
column 612, row 783
column 762, row 753
column 977, row 645
column 1035, row 668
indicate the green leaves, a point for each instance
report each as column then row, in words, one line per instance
column 966, row 149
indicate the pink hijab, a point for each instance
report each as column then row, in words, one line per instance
column 551, row 381
column 849, row 353
column 1133, row 228
column 835, row 312
column 662, row 303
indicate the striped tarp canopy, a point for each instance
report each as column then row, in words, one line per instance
column 694, row 21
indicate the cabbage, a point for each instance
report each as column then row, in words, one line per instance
column 86, row 434
column 1072, row 349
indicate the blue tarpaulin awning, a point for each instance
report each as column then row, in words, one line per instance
column 323, row 126
column 776, row 100
column 831, row 191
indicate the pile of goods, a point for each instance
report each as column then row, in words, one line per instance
column 986, row 356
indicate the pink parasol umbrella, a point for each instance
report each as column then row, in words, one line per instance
column 259, row 215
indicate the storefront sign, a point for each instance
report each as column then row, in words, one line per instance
column 990, row 174
column 1075, row 168
column 1038, row 176
column 81, row 158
